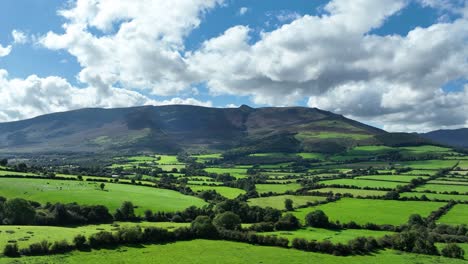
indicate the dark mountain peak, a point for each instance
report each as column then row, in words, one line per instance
column 451, row 137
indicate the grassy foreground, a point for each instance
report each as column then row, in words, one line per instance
column 206, row 251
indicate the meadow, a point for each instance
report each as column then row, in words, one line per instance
column 227, row 192
column 209, row 251
column 443, row 188
column 235, row 172
column 277, row 202
column 363, row 183
column 364, row 211
column 354, row 192
column 395, row 178
column 457, row 215
column 89, row 193
column 277, row 188
column 433, row 196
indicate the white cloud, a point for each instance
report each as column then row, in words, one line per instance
column 243, row 10
column 5, row 51
column 33, row 96
column 19, row 37
column 141, row 44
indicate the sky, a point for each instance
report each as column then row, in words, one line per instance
column 401, row 65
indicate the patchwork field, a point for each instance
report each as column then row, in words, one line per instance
column 277, row 202
column 277, row 188
column 433, row 196
column 334, row 236
column 235, row 172
column 395, row 178
column 89, row 193
column 458, row 215
column 364, row 211
column 462, row 189
column 208, row 251
column 363, row 183
column 227, row 192
column 354, row 192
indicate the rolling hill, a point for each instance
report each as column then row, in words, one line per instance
column 455, row 138
column 172, row 128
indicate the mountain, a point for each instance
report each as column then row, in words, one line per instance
column 455, row 138
column 172, row 128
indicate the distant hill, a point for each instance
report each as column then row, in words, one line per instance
column 173, row 128
column 455, row 138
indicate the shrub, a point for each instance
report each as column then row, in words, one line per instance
column 452, row 250
column 287, row 222
column 203, row 227
column 11, row 250
column 79, row 241
column 317, row 219
column 227, row 220
column 60, row 247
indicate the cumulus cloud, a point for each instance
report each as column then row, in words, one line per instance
column 19, row 37
column 140, row 45
column 5, row 51
column 33, row 96
column 333, row 59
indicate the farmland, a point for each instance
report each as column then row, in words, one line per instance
column 277, row 202
column 458, row 215
column 395, row 213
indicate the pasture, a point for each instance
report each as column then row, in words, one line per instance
column 457, row 215
column 89, row 193
column 208, row 251
column 364, row 211
column 354, row 192
column 362, row 183
column 277, row 202
column 395, row 178
column 462, row 189
column 438, row 196
column 277, row 188
column 227, row 192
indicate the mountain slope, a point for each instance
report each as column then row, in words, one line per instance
column 174, row 128
column 456, row 137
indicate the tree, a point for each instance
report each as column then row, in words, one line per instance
column 287, row 222
column 416, row 220
column 288, row 204
column 11, row 250
column 203, row 227
column 452, row 250
column 79, row 241
column 3, row 162
column 317, row 218
column 227, row 220
column 19, row 212
column 102, row 185
column 125, row 212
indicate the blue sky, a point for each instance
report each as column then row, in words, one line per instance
column 251, row 20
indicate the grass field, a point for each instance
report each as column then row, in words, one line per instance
column 208, row 251
column 354, row 192
column 14, row 173
column 330, row 135
column 89, row 193
column 458, row 215
column 363, row 183
column 443, row 188
column 277, row 188
column 227, row 192
column 396, row 178
column 421, row 172
column 439, row 181
column 334, row 236
column 277, row 202
column 432, row 196
column 428, row 164
column 235, row 172
column 364, row 211
column 26, row 235
column 207, row 157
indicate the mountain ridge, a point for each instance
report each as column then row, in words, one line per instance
column 175, row 128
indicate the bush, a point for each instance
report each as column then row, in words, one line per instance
column 11, row 250
column 203, row 227
column 130, row 235
column 262, row 227
column 102, row 239
column 227, row 220
column 317, row 219
column 36, row 249
column 60, row 247
column 287, row 222
column 452, row 250
column 79, row 241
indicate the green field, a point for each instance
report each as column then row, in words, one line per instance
column 235, row 172
column 364, row 211
column 334, row 236
column 278, row 201
column 330, row 135
column 26, row 235
column 428, row 164
column 462, row 189
column 354, row 192
column 439, row 181
column 363, row 183
column 227, row 192
column 432, row 196
column 14, row 173
column 396, row 178
column 458, row 215
column 207, row 157
column 88, row 193
column 421, row 172
column 208, row 251
column 277, row 188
